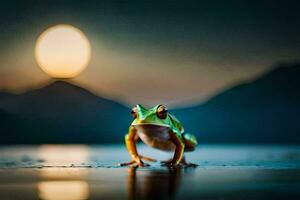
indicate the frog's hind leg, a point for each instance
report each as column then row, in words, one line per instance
column 190, row 142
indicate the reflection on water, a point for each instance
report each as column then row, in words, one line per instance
column 153, row 184
column 59, row 183
column 226, row 172
column 56, row 183
column 63, row 174
column 62, row 155
column 67, row 190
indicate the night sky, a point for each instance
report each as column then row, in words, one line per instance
column 174, row 52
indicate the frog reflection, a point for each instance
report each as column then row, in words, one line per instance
column 153, row 184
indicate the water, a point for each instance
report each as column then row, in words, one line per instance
column 92, row 172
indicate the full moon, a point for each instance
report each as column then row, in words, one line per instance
column 63, row 51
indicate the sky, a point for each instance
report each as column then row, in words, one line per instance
column 172, row 52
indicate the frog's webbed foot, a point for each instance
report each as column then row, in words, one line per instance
column 138, row 162
column 186, row 164
column 172, row 164
column 189, row 165
column 182, row 163
column 169, row 163
column 134, row 164
column 147, row 158
column 165, row 162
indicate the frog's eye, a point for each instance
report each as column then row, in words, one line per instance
column 134, row 112
column 162, row 112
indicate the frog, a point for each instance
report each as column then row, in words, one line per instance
column 157, row 128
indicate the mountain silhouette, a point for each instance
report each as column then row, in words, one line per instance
column 64, row 113
column 265, row 110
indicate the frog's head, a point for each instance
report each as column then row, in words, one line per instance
column 157, row 115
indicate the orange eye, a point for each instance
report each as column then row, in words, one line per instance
column 162, row 112
column 134, row 112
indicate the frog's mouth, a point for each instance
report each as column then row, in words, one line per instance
column 150, row 124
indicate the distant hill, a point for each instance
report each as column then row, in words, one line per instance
column 62, row 113
column 265, row 111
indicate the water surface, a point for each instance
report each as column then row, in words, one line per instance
column 92, row 172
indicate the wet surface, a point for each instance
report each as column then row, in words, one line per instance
column 92, row 172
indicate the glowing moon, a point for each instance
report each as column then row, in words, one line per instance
column 63, row 51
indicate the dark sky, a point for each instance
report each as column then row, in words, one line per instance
column 177, row 52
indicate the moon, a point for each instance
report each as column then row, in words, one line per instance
column 63, row 51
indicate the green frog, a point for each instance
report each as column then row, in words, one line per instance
column 157, row 128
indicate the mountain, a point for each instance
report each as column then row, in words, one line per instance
column 62, row 113
column 265, row 110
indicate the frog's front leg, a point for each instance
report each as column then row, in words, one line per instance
column 130, row 141
column 179, row 149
